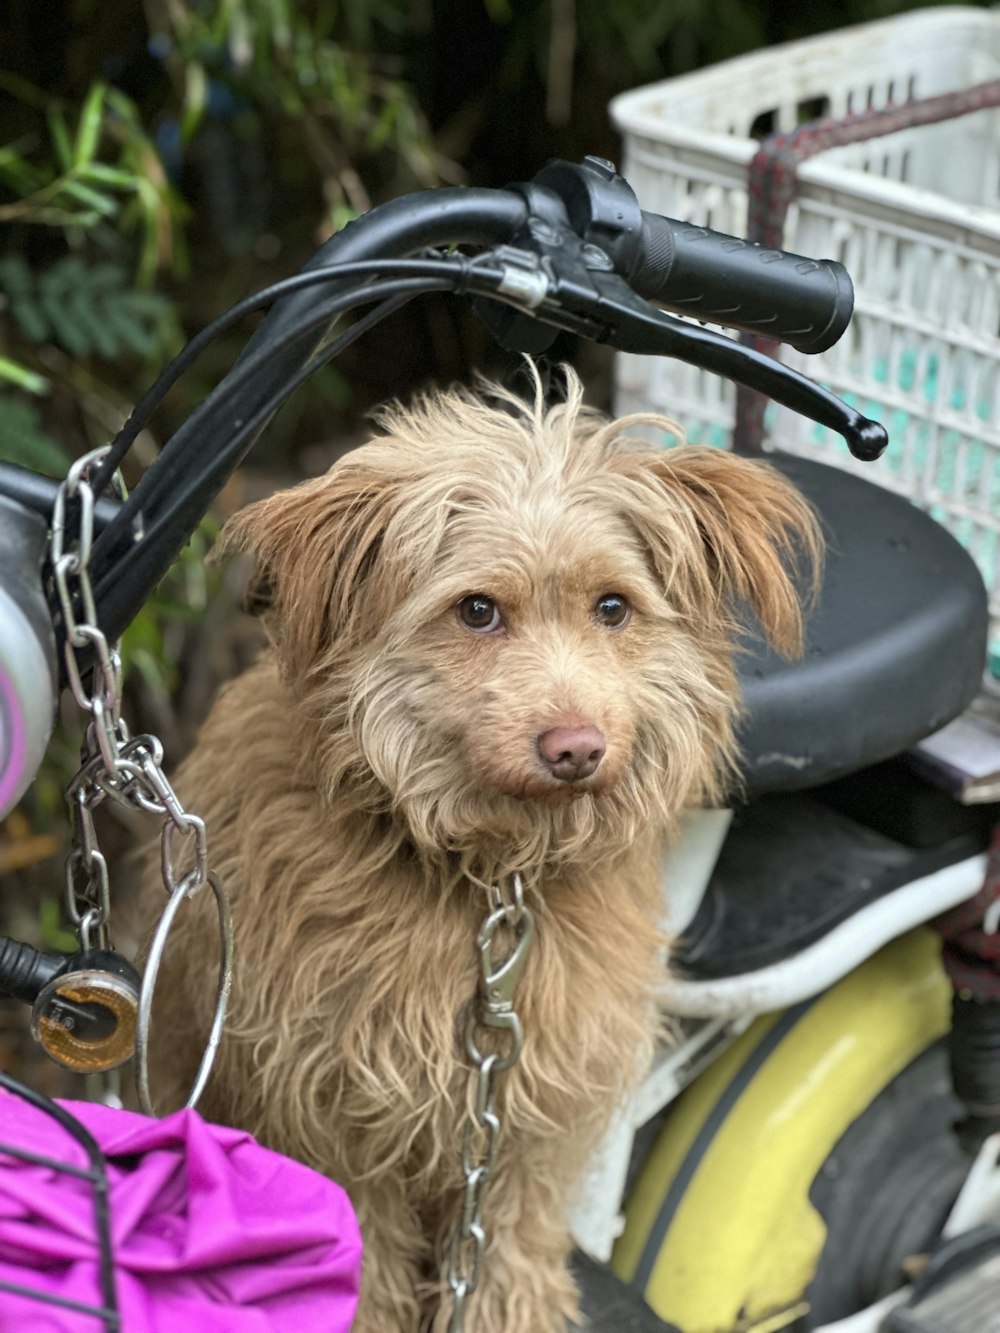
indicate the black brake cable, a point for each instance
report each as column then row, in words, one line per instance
column 135, row 550
column 382, row 311
column 459, row 266
column 141, row 543
column 220, row 459
column 158, row 485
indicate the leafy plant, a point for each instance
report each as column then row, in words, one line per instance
column 93, row 174
column 308, row 70
column 103, row 169
column 90, row 309
column 24, row 439
column 182, row 598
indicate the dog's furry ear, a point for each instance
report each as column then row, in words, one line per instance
column 316, row 546
column 761, row 538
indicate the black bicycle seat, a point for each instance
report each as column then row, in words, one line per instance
column 895, row 646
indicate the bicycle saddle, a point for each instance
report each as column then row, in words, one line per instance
column 895, row 646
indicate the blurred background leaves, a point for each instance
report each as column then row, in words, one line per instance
column 158, row 161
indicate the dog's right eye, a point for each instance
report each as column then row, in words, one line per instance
column 479, row 613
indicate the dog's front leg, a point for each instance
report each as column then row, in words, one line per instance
column 394, row 1260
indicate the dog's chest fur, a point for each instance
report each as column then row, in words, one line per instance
column 357, row 961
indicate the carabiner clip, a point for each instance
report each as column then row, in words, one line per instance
column 498, row 981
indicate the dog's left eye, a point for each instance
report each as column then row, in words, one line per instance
column 479, row 613
column 612, row 610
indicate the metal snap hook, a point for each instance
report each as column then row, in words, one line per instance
column 498, row 980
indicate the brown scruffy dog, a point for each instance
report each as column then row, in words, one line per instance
column 502, row 642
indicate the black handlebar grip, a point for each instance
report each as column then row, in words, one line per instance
column 722, row 280
column 24, row 971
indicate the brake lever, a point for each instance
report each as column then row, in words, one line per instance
column 586, row 296
column 640, row 328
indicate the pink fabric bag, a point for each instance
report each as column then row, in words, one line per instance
column 211, row 1232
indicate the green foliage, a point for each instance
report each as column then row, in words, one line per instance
column 181, row 598
column 312, row 68
column 92, row 173
column 100, row 170
column 24, row 378
column 52, row 934
column 90, row 309
column 24, row 439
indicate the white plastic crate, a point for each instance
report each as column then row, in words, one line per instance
column 914, row 216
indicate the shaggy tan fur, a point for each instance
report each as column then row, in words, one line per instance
column 379, row 767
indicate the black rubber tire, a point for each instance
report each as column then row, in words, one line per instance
column 609, row 1305
column 886, row 1189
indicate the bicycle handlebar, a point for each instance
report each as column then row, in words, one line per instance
column 571, row 249
column 692, row 270
column 565, row 247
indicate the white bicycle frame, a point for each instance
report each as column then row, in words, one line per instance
column 724, row 1008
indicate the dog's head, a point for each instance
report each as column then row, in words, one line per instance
column 512, row 625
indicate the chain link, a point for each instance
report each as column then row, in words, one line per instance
column 88, row 906
column 493, row 1010
column 122, row 768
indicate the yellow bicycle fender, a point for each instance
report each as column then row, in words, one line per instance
column 720, row 1232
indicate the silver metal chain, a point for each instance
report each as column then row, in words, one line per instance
column 126, row 769
column 88, row 897
column 493, row 1010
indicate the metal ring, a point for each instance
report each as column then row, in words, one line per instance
column 122, row 785
column 86, row 538
column 499, row 903
column 109, row 668
column 63, row 566
column 145, row 1014
column 198, row 874
column 85, row 780
column 128, row 783
column 81, row 468
column 93, row 920
column 144, row 744
column 69, row 488
column 488, row 1151
column 101, row 900
column 83, row 820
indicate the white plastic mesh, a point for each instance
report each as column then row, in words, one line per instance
column 914, row 216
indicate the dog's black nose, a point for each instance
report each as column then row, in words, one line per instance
column 571, row 753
